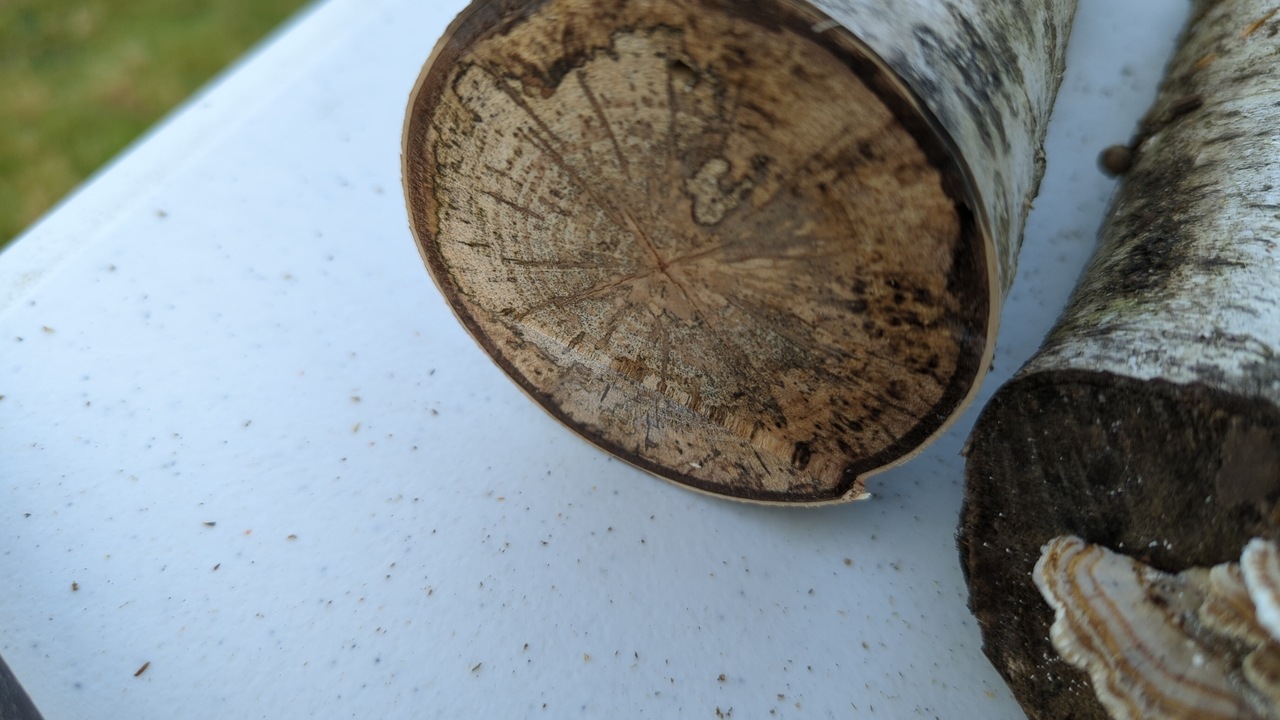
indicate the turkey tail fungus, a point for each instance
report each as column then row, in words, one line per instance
column 1149, row 421
column 756, row 248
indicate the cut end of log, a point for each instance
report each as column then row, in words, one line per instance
column 721, row 241
column 1144, row 467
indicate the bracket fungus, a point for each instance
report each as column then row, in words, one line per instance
column 1198, row 644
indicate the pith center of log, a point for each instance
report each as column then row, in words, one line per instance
column 715, row 239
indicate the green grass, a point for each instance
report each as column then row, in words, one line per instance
column 80, row 79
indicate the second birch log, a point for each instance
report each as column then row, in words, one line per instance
column 756, row 248
column 1149, row 422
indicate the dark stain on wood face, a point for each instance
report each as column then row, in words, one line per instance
column 801, row 455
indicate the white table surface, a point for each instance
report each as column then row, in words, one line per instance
column 231, row 325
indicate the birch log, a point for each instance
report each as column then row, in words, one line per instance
column 1149, row 421
column 756, row 248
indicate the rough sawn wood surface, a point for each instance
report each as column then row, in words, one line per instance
column 756, row 248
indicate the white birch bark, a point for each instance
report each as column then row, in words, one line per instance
column 1149, row 422
column 1185, row 286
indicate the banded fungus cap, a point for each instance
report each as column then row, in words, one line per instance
column 1157, row 645
column 722, row 241
column 1142, row 665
